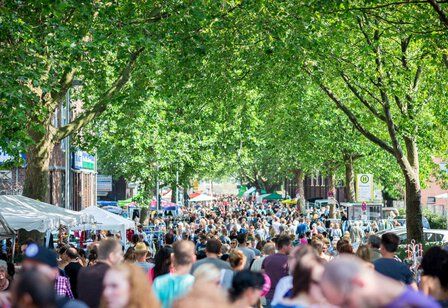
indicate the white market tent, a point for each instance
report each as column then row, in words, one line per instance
column 21, row 212
column 105, row 220
column 442, row 196
column 202, row 198
column 5, row 230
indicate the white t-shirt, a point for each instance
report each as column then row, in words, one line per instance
column 283, row 286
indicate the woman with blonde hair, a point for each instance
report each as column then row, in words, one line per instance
column 237, row 260
column 126, row 285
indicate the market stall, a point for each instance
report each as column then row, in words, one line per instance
column 25, row 213
column 105, row 220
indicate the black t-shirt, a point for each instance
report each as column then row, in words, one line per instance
column 394, row 269
column 72, row 269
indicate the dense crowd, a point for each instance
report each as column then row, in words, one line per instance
column 231, row 253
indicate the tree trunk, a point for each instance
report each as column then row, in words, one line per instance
column 332, row 189
column 38, row 161
column 173, row 193
column 300, row 190
column 349, row 178
column 414, row 225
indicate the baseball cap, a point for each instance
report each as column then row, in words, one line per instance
column 41, row 255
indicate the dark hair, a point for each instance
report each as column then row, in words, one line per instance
column 244, row 280
column 390, row 241
column 93, row 255
column 162, row 261
column 106, row 247
column 81, row 253
column 346, row 248
column 435, row 264
column 282, row 241
column 130, row 255
column 374, row 241
column 241, row 238
column 135, row 239
column 37, row 286
column 302, row 276
column 340, row 243
column 169, row 238
column 213, row 246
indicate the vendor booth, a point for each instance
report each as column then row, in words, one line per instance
column 202, row 198
column 105, row 220
column 25, row 213
column 5, row 230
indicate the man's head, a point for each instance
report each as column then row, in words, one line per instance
column 213, row 246
column 141, row 251
column 242, row 238
column 169, row 238
column 72, row 254
column 268, row 249
column 389, row 243
column 183, row 253
column 283, row 244
column 41, row 259
column 346, row 282
column 109, row 251
column 374, row 241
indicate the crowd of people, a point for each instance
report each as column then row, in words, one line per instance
column 231, row 253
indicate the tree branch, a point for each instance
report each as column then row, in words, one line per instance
column 361, row 98
column 88, row 115
column 351, row 116
column 442, row 15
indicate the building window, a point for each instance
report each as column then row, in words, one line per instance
column 431, row 200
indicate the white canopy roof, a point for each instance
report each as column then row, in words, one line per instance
column 442, row 196
column 201, row 198
column 105, row 220
column 5, row 229
column 25, row 213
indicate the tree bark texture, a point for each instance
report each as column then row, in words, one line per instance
column 349, row 178
column 332, row 189
column 300, row 178
column 37, row 173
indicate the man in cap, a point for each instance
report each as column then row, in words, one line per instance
column 44, row 260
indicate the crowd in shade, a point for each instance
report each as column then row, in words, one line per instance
column 230, row 253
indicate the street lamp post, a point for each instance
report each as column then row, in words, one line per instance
column 67, row 153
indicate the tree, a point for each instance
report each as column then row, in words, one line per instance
column 47, row 45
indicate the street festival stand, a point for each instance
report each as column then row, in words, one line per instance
column 105, row 220
column 28, row 214
column 202, row 198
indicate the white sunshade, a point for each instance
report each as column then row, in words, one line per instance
column 202, row 198
column 5, row 230
column 105, row 220
column 442, row 196
column 21, row 212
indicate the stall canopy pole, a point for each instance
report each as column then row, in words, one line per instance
column 13, row 248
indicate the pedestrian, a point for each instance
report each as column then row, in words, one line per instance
column 72, row 269
column 5, row 283
column 141, row 251
column 374, row 243
column 44, row 260
column 249, row 253
column 162, row 262
column 126, row 286
column 212, row 251
column 346, row 282
column 33, row 289
column 172, row 286
column 389, row 266
column 247, row 288
column 237, row 260
column 276, row 265
column 90, row 279
column 434, row 279
column 305, row 284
